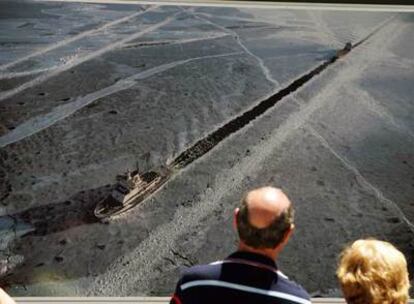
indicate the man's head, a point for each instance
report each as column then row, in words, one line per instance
column 264, row 220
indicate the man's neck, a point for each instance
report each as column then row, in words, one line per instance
column 270, row 253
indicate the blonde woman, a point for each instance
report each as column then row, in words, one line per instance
column 5, row 299
column 373, row 272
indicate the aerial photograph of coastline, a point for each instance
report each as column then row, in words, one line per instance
column 129, row 133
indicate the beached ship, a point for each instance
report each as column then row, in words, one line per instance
column 344, row 51
column 131, row 189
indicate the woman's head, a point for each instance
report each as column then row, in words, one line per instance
column 373, row 272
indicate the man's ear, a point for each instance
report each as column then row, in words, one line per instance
column 288, row 233
column 236, row 212
column 285, row 239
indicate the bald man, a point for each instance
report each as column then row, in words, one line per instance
column 264, row 222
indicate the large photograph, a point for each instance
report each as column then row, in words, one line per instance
column 130, row 132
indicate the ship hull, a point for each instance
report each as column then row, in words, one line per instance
column 111, row 207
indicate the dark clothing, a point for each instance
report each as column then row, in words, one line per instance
column 243, row 277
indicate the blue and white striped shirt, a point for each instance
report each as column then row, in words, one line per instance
column 243, row 277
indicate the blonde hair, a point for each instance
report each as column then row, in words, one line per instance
column 373, row 272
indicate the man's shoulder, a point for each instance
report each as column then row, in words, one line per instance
column 283, row 286
column 201, row 271
column 289, row 286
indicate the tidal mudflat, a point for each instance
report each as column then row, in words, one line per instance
column 88, row 91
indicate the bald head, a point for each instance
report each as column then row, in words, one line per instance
column 265, row 205
column 264, row 218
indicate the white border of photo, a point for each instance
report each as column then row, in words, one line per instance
column 244, row 4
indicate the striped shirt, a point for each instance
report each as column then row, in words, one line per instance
column 243, row 277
